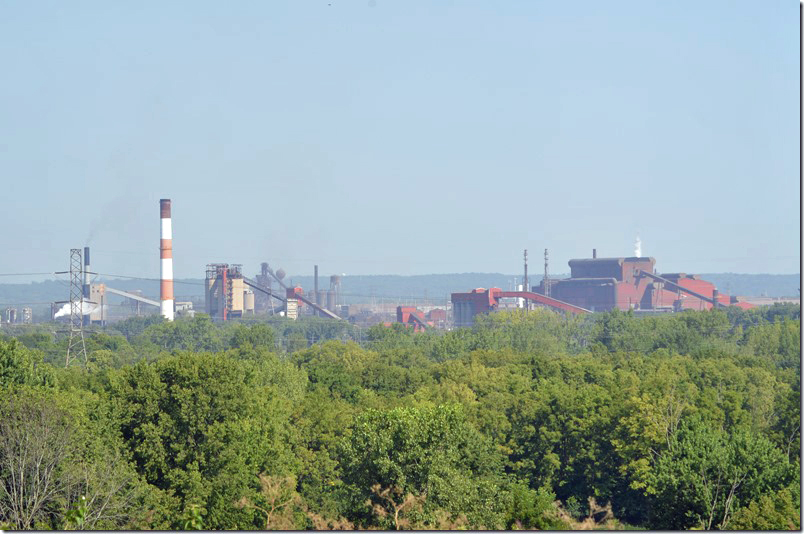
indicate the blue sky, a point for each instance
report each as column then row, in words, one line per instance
column 400, row 137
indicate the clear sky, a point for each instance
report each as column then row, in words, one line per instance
column 400, row 137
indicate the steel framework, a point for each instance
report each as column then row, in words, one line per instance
column 76, row 346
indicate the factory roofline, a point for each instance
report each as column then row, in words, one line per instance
column 618, row 260
column 586, row 279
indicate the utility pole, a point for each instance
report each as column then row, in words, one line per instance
column 76, row 346
column 525, row 282
column 546, row 276
column 525, row 279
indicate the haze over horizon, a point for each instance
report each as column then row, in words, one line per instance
column 377, row 137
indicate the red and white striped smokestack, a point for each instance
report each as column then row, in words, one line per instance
column 166, row 255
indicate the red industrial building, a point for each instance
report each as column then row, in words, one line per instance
column 602, row 284
column 437, row 317
column 410, row 315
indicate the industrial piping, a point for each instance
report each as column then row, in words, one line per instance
column 166, row 255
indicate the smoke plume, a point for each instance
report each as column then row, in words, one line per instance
column 86, row 309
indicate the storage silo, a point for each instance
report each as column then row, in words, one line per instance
column 248, row 302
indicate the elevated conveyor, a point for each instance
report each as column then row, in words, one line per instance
column 315, row 306
column 415, row 319
column 255, row 285
column 695, row 294
column 544, row 300
column 132, row 296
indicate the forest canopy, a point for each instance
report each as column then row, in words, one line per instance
column 527, row 420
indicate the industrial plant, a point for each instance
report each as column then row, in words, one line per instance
column 594, row 285
column 600, row 284
column 229, row 294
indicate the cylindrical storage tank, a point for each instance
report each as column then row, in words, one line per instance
column 248, row 301
column 210, row 303
column 322, row 297
column 331, row 301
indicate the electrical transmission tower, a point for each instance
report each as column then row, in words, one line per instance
column 76, row 346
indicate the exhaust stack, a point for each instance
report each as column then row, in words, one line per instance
column 166, row 255
column 87, row 319
column 86, row 273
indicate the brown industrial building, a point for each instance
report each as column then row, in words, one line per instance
column 603, row 284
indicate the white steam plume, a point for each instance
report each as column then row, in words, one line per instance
column 86, row 309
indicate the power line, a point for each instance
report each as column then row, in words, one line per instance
column 150, row 279
column 25, row 303
column 24, row 274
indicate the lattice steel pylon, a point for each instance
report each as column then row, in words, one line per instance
column 76, row 346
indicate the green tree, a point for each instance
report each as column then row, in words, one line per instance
column 705, row 474
column 336, row 366
column 55, row 448
column 777, row 511
column 321, row 419
column 134, row 326
column 252, row 336
column 203, row 425
column 35, row 446
column 196, row 334
column 532, row 510
column 619, row 331
column 22, row 366
column 429, row 454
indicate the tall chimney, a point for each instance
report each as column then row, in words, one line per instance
column 87, row 319
column 86, row 272
column 594, row 253
column 166, row 255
